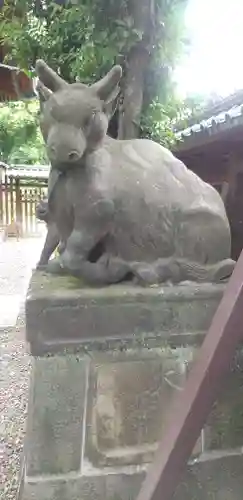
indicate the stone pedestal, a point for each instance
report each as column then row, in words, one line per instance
column 105, row 365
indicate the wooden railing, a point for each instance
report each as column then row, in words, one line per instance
column 18, row 203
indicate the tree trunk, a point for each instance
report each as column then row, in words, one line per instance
column 133, row 88
column 137, row 62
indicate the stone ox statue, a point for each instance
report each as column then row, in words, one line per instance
column 122, row 210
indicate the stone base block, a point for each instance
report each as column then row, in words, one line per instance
column 212, row 478
column 105, row 366
column 106, row 486
column 61, row 316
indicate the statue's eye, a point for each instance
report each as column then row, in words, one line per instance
column 89, row 119
column 93, row 115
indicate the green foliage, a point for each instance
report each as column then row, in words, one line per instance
column 161, row 122
column 157, row 124
column 82, row 39
column 20, row 138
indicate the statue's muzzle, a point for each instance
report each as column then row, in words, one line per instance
column 65, row 145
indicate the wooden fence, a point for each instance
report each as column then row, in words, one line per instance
column 18, row 200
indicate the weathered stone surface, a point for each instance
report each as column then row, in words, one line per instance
column 55, row 415
column 218, row 478
column 129, row 394
column 109, row 486
column 60, row 315
column 225, row 424
column 95, row 420
column 213, row 479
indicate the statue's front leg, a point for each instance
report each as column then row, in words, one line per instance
column 106, row 271
column 78, row 247
column 50, row 245
column 42, row 211
column 52, row 236
column 90, row 228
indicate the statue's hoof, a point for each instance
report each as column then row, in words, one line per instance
column 41, row 267
column 61, row 247
column 54, row 267
column 144, row 274
column 117, row 269
column 224, row 270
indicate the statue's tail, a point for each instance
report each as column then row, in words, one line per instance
column 222, row 270
column 176, row 270
column 216, row 273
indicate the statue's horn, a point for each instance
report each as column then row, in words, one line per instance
column 43, row 92
column 106, row 87
column 47, row 76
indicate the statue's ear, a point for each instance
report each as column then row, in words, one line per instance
column 48, row 77
column 107, row 88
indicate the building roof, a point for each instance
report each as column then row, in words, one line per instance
column 220, row 118
column 225, row 119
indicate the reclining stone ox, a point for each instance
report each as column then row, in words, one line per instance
column 122, row 209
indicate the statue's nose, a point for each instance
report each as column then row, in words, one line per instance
column 63, row 154
column 73, row 156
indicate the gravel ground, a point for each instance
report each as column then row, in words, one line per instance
column 17, row 258
column 14, row 379
column 16, row 261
